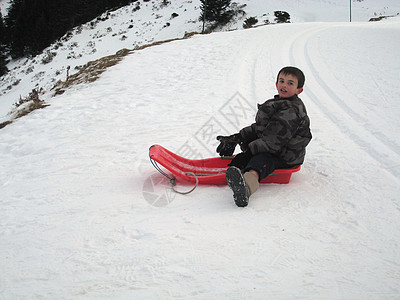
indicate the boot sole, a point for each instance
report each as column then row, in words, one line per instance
column 236, row 182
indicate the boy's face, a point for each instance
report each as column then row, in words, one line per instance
column 287, row 85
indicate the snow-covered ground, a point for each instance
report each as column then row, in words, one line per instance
column 84, row 215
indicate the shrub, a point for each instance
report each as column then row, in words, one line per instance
column 137, row 7
column 249, row 22
column 48, row 57
column 282, row 16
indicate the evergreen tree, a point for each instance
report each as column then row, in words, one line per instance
column 3, row 47
column 34, row 24
column 216, row 11
column 18, row 27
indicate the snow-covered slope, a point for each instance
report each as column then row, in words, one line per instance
column 130, row 27
column 84, row 215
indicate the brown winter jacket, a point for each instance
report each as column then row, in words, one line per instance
column 282, row 128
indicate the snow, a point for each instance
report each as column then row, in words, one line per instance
column 85, row 215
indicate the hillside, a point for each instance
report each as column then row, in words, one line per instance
column 84, row 215
column 130, row 27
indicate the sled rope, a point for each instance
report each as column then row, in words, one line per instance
column 172, row 179
column 157, row 167
column 195, row 186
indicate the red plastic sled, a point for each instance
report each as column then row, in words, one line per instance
column 207, row 171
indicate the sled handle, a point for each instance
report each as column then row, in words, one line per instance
column 195, row 186
column 172, row 179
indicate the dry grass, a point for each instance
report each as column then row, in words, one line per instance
column 30, row 108
column 4, row 124
column 88, row 73
column 93, row 69
column 25, row 106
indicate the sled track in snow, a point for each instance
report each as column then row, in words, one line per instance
column 378, row 146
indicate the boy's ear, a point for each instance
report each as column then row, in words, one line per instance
column 299, row 91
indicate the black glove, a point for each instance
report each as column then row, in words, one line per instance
column 228, row 144
column 241, row 160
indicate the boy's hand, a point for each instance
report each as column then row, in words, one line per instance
column 228, row 144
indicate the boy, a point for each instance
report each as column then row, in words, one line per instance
column 277, row 139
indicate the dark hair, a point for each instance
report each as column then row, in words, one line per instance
column 296, row 72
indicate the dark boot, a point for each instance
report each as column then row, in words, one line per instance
column 238, row 185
